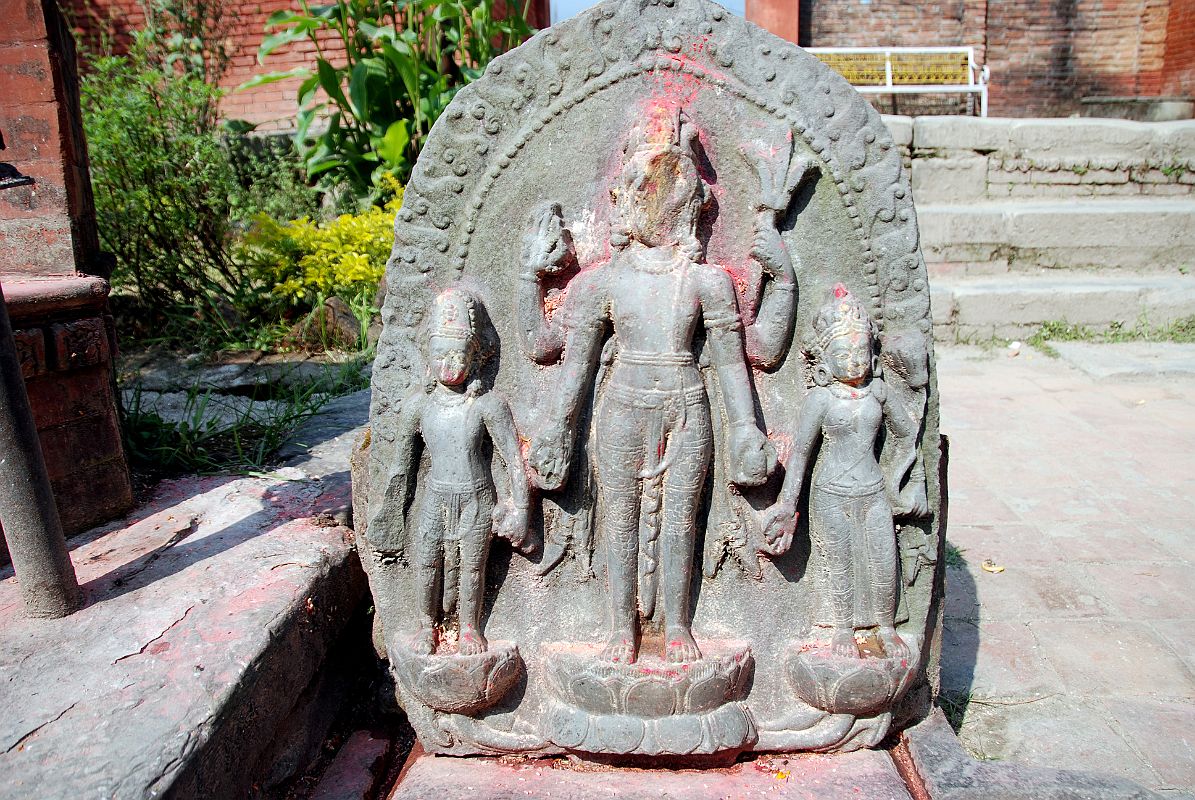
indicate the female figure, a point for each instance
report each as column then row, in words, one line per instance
column 456, row 515
column 850, row 499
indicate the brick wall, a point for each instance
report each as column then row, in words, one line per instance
column 271, row 107
column 47, row 227
column 1179, row 59
column 1045, row 55
column 49, row 257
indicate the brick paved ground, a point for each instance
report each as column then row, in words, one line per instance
column 1080, row 653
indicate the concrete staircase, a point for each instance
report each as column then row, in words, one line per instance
column 1024, row 222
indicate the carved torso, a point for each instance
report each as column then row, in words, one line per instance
column 847, row 464
column 454, row 423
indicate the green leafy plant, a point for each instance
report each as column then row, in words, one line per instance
column 383, row 73
column 161, row 180
column 306, row 261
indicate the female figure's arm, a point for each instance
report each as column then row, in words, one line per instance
column 780, row 521
column 510, row 517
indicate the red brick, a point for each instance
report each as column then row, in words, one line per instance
column 31, row 351
column 78, row 344
column 26, row 73
column 60, row 399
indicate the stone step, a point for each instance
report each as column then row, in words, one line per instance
column 1155, row 234
column 1016, row 305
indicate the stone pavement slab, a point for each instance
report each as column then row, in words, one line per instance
column 1147, row 360
column 848, row 776
column 208, row 612
column 1081, row 490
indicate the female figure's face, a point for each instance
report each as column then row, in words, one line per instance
column 848, row 358
column 451, row 359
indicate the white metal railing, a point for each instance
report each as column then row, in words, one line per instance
column 909, row 70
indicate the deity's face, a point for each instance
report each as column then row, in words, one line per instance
column 661, row 198
column 848, row 357
column 451, row 359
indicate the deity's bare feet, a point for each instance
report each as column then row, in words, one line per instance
column 679, row 646
column 471, row 642
column 621, row 649
column 842, row 643
column 424, row 641
column 894, row 646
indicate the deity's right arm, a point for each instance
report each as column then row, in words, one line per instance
column 541, row 337
column 387, row 527
column 547, row 248
column 805, row 439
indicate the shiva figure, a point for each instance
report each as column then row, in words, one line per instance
column 652, row 434
column 456, row 515
column 851, row 500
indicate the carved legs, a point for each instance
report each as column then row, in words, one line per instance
column 622, row 558
column 682, row 497
column 856, row 544
column 882, row 560
column 475, row 535
column 452, row 545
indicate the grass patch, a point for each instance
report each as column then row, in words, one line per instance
column 954, row 706
column 1180, row 330
column 954, row 556
column 214, row 433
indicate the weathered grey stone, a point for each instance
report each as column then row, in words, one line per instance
column 901, row 128
column 1129, row 359
column 961, row 133
column 950, row 180
column 933, row 754
column 626, row 256
column 1106, row 233
column 1018, row 305
column 1079, row 138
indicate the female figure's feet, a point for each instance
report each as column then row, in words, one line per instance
column 424, row 641
column 894, row 646
column 842, row 643
column 471, row 642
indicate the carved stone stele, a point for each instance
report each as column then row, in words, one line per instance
column 619, row 440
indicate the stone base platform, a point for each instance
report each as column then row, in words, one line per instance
column 862, row 774
column 210, row 657
column 926, row 763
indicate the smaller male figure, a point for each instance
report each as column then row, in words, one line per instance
column 456, row 516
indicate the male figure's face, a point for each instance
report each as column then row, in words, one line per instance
column 451, row 359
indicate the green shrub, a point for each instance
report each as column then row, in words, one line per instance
column 161, row 179
column 397, row 66
column 304, row 262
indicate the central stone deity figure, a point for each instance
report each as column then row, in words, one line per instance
column 652, row 434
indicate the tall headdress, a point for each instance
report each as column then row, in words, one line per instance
column 842, row 315
column 659, row 176
column 454, row 315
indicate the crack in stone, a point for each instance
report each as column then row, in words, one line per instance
column 156, row 638
column 178, row 536
column 20, row 742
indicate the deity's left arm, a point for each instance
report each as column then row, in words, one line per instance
column 768, row 337
column 752, row 457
